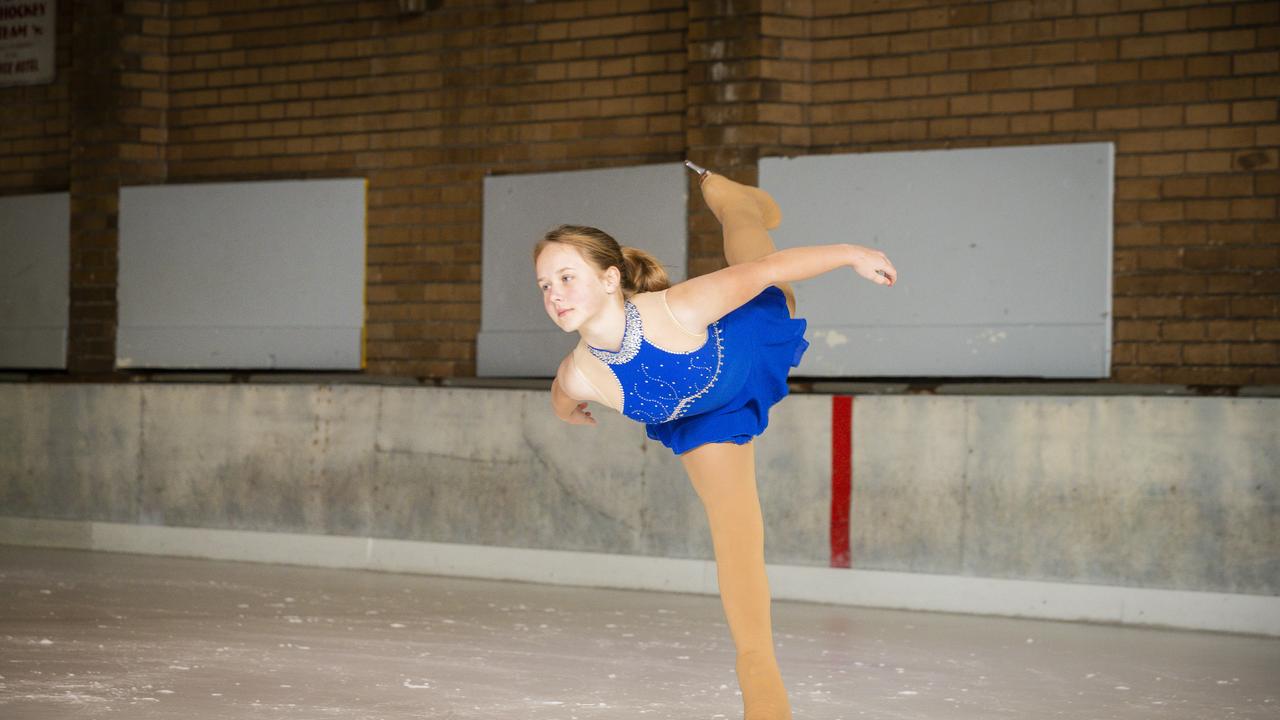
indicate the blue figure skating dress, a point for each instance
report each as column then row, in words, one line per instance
column 720, row 392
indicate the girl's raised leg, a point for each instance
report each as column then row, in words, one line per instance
column 746, row 214
column 723, row 475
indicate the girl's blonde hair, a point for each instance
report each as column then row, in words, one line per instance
column 640, row 271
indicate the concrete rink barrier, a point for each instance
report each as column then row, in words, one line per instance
column 1142, row 510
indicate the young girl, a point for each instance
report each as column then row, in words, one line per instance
column 700, row 363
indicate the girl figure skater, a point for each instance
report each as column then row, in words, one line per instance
column 699, row 363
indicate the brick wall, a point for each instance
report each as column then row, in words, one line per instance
column 1187, row 92
column 425, row 106
column 34, row 133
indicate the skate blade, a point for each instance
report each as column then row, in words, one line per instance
column 701, row 171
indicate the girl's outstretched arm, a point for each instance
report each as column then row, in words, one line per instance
column 700, row 301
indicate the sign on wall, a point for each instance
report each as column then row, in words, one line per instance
column 28, row 36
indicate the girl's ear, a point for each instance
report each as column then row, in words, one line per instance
column 613, row 278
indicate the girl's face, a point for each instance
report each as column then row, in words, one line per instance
column 573, row 290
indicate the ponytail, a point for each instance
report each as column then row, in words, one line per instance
column 640, row 271
column 643, row 271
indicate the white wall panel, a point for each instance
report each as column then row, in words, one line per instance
column 35, row 250
column 242, row 275
column 1004, row 256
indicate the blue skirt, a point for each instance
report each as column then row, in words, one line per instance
column 761, row 333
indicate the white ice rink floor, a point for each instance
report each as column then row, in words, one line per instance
column 93, row 634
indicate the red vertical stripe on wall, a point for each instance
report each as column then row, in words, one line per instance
column 841, row 477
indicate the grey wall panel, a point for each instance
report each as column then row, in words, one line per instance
column 643, row 206
column 35, row 250
column 243, row 275
column 1004, row 256
column 1177, row 493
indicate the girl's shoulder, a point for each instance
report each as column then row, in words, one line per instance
column 592, row 378
column 658, row 319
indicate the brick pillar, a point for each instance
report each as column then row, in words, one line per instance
column 117, row 138
column 747, row 96
column 785, row 71
column 94, row 184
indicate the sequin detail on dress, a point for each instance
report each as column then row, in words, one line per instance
column 683, row 405
column 659, row 385
column 759, row 343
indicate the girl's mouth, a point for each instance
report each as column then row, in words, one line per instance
column 560, row 313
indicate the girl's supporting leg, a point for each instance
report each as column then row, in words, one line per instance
column 723, row 474
column 746, row 214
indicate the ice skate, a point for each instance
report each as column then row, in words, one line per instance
column 770, row 213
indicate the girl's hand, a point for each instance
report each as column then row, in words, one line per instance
column 580, row 416
column 874, row 266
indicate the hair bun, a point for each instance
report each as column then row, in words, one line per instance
column 643, row 272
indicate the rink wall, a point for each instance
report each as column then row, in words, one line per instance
column 1064, row 494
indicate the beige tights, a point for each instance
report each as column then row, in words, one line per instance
column 723, row 196
column 723, row 475
column 746, row 215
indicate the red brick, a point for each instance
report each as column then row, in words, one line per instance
column 1137, row 330
column 1208, row 114
column 1209, row 66
column 1230, row 40
column 1140, row 47
column 1205, row 307
column 1162, row 165
column 1255, row 307
column 1010, row 102
column 418, row 111
column 1183, row 330
column 1164, row 21
column 1255, row 63
column 1184, row 187
column 1266, row 330
column 1230, row 185
column 1154, row 353
column 1205, row 162
column 1209, row 17
column 1166, row 211
column 1117, row 118
column 1253, row 111
column 1207, row 210
column 1258, row 209
column 1256, row 353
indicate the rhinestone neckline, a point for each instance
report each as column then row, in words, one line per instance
column 632, row 331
